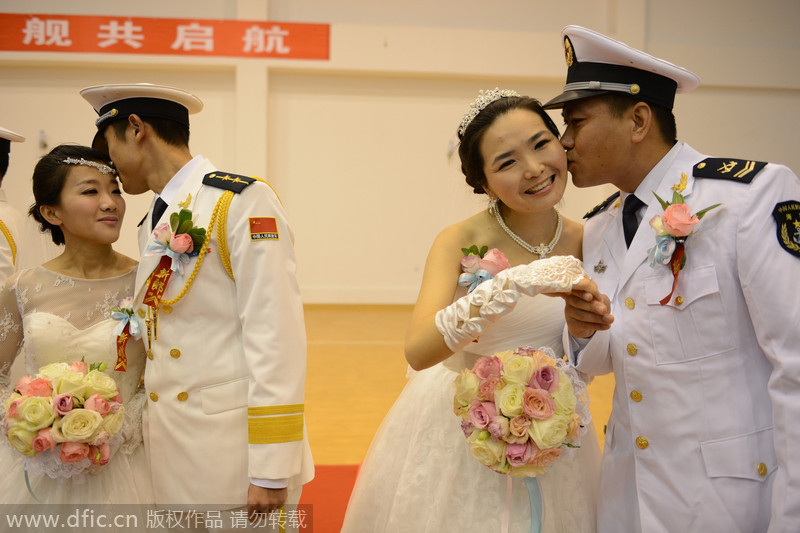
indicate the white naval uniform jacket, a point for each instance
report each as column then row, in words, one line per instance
column 227, row 376
column 704, row 434
column 11, row 221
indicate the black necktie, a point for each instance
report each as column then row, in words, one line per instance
column 629, row 220
column 158, row 210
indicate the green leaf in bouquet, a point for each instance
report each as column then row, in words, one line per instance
column 483, row 250
column 700, row 214
column 184, row 215
column 174, row 220
column 185, row 227
column 664, row 205
column 198, row 236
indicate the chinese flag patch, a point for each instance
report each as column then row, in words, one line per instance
column 263, row 228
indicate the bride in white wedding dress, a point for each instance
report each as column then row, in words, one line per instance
column 419, row 475
column 61, row 312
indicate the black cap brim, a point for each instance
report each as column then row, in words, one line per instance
column 567, row 96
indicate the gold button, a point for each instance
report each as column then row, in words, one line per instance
column 175, row 353
column 141, row 313
column 636, row 396
column 154, row 396
column 762, row 469
column 629, row 303
column 150, row 355
column 701, row 165
column 635, row 89
column 632, row 350
column 166, row 309
column 183, row 396
column 679, row 300
column 642, row 443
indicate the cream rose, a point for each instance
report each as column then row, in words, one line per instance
column 101, row 384
column 112, row 423
column 509, row 400
column 564, row 396
column 518, row 369
column 549, row 433
column 79, row 425
column 70, row 382
column 53, row 371
column 466, row 388
column 37, row 411
column 21, row 439
column 489, row 452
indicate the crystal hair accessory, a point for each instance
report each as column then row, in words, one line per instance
column 103, row 169
column 484, row 99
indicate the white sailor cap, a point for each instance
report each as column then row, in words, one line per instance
column 7, row 137
column 114, row 102
column 597, row 64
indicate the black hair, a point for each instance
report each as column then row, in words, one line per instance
column 618, row 103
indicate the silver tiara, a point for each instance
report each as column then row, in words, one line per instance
column 484, row 98
column 103, row 169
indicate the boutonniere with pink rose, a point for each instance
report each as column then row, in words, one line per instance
column 179, row 240
column 480, row 264
column 673, row 228
column 65, row 419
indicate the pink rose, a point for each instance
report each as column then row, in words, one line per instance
column 480, row 414
column 494, row 261
column 62, row 403
column 678, row 220
column 22, row 384
column 101, row 438
column 162, row 232
column 13, row 410
column 538, row 404
column 44, row 441
column 487, row 388
column 467, row 427
column 97, row 403
column 72, row 452
column 99, row 455
column 519, row 454
column 545, row 378
column 486, row 367
column 80, row 366
column 470, row 263
column 525, row 351
column 181, row 243
column 544, row 457
column 117, row 398
column 518, row 427
column 498, row 428
column 39, row 387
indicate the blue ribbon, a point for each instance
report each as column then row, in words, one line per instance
column 125, row 317
column 28, row 483
column 472, row 280
column 535, row 496
column 178, row 260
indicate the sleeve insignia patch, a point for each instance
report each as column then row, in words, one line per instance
column 602, row 206
column 739, row 170
column 263, row 229
column 227, row 181
column 787, row 219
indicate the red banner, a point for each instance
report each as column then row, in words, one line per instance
column 135, row 35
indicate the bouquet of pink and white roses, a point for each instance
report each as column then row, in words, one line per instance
column 520, row 410
column 67, row 414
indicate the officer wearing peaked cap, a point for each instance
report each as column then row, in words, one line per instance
column 10, row 219
column 703, row 343
column 224, row 323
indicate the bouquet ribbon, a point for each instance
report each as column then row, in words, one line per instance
column 472, row 280
column 535, row 498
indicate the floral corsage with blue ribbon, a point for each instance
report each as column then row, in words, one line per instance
column 180, row 239
column 480, row 264
column 127, row 327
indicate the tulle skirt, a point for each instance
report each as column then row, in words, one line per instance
column 419, row 475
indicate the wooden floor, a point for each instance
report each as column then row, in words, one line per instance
column 356, row 369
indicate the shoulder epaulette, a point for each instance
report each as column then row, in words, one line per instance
column 600, row 207
column 227, row 181
column 740, row 170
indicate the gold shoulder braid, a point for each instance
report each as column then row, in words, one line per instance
column 10, row 239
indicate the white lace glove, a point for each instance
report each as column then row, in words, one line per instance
column 498, row 296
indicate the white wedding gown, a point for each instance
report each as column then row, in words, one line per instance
column 52, row 318
column 419, row 475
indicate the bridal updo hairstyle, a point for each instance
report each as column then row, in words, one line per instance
column 469, row 148
column 49, row 177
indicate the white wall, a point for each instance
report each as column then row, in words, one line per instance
column 359, row 147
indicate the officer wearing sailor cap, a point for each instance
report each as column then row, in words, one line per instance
column 10, row 219
column 697, row 317
column 222, row 312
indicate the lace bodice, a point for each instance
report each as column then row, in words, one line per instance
column 49, row 317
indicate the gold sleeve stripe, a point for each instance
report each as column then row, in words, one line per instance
column 274, row 429
column 276, row 410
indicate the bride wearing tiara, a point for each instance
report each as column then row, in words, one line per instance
column 61, row 312
column 419, row 475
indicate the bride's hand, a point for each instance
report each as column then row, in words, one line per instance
column 587, row 310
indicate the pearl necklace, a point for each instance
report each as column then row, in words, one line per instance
column 543, row 249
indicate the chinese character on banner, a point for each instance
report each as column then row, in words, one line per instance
column 112, row 33
column 259, row 40
column 194, row 37
column 47, row 32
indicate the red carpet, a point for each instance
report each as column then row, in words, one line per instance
column 328, row 494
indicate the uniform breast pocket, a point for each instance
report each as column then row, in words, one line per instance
column 226, row 396
column 693, row 324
